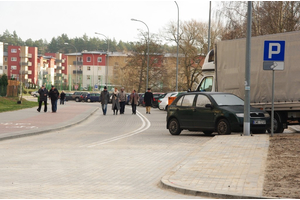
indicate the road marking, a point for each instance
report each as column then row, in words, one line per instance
column 18, row 125
column 145, row 125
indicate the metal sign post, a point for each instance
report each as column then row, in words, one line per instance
column 273, row 60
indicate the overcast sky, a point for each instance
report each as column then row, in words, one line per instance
column 48, row 19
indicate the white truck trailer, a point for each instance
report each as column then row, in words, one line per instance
column 224, row 71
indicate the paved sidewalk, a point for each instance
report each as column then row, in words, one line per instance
column 27, row 122
column 230, row 166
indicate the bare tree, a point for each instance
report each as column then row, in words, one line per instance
column 268, row 17
column 193, row 44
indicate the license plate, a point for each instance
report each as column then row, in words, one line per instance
column 258, row 122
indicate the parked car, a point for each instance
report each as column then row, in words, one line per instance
column 128, row 98
column 68, row 96
column 213, row 112
column 163, row 103
column 141, row 100
column 78, row 96
column 35, row 93
column 92, row 97
column 156, row 97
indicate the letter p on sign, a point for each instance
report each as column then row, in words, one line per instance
column 274, row 50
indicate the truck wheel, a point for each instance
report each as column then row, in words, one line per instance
column 174, row 127
column 77, row 99
column 278, row 127
column 223, row 127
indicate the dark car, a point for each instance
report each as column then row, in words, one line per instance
column 156, row 97
column 213, row 112
column 68, row 96
column 78, row 96
column 141, row 100
column 92, row 97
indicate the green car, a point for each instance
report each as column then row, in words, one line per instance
column 213, row 112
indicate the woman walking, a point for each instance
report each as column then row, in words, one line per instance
column 116, row 101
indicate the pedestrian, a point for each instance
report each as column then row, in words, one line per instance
column 123, row 98
column 115, row 101
column 53, row 95
column 134, row 97
column 43, row 93
column 148, row 98
column 62, row 97
column 104, row 98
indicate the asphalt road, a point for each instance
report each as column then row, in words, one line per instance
column 112, row 156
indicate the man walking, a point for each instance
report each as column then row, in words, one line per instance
column 53, row 95
column 148, row 98
column 134, row 97
column 104, row 98
column 122, row 101
column 62, row 97
column 43, row 92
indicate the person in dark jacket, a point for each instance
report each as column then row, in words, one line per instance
column 148, row 98
column 43, row 92
column 104, row 98
column 53, row 95
column 62, row 97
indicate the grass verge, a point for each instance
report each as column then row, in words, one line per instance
column 10, row 104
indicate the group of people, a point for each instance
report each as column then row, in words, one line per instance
column 53, row 95
column 119, row 100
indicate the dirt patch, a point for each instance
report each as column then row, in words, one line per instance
column 282, row 178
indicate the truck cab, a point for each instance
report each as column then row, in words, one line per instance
column 207, row 83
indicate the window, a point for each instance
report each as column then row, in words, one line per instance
column 88, row 59
column 5, row 67
column 202, row 101
column 13, row 59
column 88, row 77
column 13, row 67
column 13, row 51
column 179, row 101
column 89, row 68
column 5, row 59
column 99, row 59
column 188, row 100
column 206, row 84
column 99, row 78
column 1, row 67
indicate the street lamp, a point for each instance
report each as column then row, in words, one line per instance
column 177, row 47
column 21, row 79
column 107, row 61
column 147, row 51
column 76, row 62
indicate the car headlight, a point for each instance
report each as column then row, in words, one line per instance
column 267, row 115
column 240, row 114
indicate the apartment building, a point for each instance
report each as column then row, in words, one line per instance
column 22, row 63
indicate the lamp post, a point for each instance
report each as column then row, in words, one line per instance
column 76, row 61
column 177, row 46
column 147, row 50
column 107, row 61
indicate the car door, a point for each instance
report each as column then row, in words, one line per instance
column 203, row 116
column 185, row 111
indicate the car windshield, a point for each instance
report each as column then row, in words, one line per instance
column 227, row 99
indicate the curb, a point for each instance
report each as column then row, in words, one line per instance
column 48, row 130
column 166, row 184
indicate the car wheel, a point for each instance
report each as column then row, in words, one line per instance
column 174, row 127
column 77, row 99
column 166, row 108
column 223, row 127
column 89, row 100
column 207, row 132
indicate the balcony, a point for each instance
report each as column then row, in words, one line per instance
column 78, row 72
column 58, row 67
column 60, row 61
column 78, row 63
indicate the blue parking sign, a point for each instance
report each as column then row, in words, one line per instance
column 274, row 50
